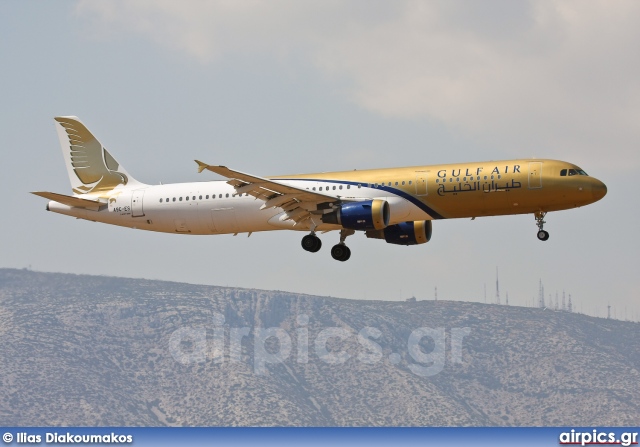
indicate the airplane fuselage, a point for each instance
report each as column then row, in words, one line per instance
column 465, row 190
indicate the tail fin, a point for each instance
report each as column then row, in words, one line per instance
column 90, row 167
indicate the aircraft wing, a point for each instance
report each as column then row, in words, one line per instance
column 299, row 204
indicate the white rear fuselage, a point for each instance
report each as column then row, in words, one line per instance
column 216, row 208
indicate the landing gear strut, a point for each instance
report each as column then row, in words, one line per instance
column 311, row 242
column 542, row 235
column 340, row 252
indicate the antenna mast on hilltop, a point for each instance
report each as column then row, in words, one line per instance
column 541, row 296
column 497, row 287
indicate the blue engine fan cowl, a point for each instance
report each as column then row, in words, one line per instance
column 405, row 233
column 364, row 215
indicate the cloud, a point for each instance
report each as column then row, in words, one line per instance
column 532, row 78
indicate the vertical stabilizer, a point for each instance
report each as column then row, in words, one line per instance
column 90, row 166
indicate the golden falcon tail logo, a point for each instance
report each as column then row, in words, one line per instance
column 94, row 166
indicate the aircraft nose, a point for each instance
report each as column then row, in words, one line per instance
column 598, row 190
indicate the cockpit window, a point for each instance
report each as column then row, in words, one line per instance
column 565, row 172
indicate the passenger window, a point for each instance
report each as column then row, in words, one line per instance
column 160, row 200
column 174, row 199
column 206, row 197
column 200, row 197
column 403, row 182
column 499, row 177
column 187, row 198
column 180, row 199
column 314, row 188
column 437, row 180
column 485, row 177
column 410, row 182
column 340, row 186
column 220, row 196
column 227, row 195
column 348, row 186
column 464, row 179
column 396, row 183
column 167, row 199
column 334, row 187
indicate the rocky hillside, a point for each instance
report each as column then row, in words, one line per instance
column 89, row 350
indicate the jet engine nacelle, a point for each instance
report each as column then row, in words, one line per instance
column 365, row 215
column 404, row 233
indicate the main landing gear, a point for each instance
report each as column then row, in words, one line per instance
column 339, row 252
column 542, row 235
column 311, row 242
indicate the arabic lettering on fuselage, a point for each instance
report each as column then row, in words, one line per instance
column 478, row 186
column 443, row 173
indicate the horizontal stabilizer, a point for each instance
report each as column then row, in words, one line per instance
column 93, row 205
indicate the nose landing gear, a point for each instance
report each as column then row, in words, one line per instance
column 542, row 234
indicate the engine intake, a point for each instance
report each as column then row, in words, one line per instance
column 365, row 215
column 404, row 233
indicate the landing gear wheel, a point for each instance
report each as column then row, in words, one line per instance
column 340, row 252
column 543, row 235
column 311, row 243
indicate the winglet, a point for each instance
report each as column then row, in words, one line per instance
column 201, row 166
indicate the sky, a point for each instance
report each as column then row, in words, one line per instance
column 285, row 87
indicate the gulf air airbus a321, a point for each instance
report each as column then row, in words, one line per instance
column 394, row 204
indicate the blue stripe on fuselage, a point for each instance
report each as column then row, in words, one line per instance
column 417, row 202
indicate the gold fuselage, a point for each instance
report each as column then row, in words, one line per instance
column 480, row 188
